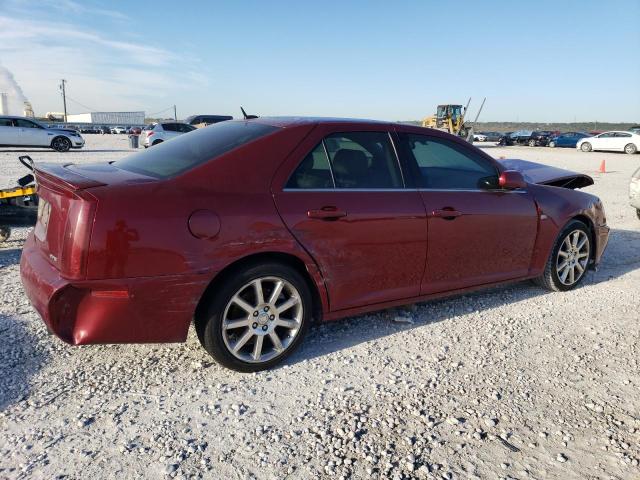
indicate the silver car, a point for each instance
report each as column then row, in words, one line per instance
column 161, row 132
column 26, row 132
column 634, row 191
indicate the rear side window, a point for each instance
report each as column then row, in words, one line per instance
column 169, row 127
column 358, row 160
column 184, row 152
column 6, row 122
column 622, row 134
column 443, row 164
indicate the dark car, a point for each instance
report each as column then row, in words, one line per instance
column 253, row 229
column 207, row 119
column 493, row 136
column 104, row 130
column 533, row 138
column 567, row 139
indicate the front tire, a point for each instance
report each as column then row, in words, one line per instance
column 61, row 144
column 569, row 260
column 630, row 148
column 532, row 143
column 586, row 147
column 552, row 144
column 257, row 318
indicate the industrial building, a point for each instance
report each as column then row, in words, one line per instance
column 108, row 118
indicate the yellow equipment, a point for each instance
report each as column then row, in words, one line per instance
column 450, row 118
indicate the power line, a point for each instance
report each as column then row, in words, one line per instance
column 83, row 106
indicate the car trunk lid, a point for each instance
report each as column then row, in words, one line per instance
column 66, row 210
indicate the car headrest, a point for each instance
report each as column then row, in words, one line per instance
column 350, row 163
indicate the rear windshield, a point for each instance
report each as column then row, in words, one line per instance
column 182, row 153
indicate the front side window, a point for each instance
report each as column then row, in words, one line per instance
column 622, row 134
column 25, row 123
column 169, row 127
column 6, row 122
column 446, row 165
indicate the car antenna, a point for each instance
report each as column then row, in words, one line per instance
column 247, row 117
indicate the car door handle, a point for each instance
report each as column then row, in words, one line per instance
column 446, row 213
column 327, row 213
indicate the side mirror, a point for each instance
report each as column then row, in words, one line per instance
column 511, row 180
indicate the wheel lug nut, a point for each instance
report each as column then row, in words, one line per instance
column 266, row 309
column 255, row 314
column 271, row 317
column 264, row 328
column 255, row 325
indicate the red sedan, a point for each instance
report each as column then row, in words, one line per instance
column 252, row 229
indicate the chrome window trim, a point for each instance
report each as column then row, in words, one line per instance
column 399, row 190
column 326, row 154
column 395, row 152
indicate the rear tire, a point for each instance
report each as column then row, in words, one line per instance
column 552, row 144
column 5, row 233
column 532, row 143
column 569, row 260
column 630, row 148
column 249, row 331
column 586, row 147
column 61, row 144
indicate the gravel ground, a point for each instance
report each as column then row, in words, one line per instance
column 510, row 382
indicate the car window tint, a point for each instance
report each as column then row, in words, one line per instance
column 25, row 123
column 6, row 122
column 169, row 127
column 184, row 152
column 622, row 134
column 363, row 160
column 444, row 164
column 313, row 172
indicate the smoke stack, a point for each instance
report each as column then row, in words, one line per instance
column 28, row 110
column 13, row 104
column 4, row 104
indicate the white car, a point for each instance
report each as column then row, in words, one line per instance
column 634, row 191
column 118, row 130
column 160, row 132
column 478, row 137
column 26, row 132
column 616, row 141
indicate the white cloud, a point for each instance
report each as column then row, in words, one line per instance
column 104, row 71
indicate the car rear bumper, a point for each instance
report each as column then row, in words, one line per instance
column 134, row 310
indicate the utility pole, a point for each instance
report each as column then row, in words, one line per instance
column 64, row 99
column 175, row 115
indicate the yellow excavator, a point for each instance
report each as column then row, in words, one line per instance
column 450, row 118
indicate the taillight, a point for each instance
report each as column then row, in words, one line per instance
column 77, row 233
column 149, row 133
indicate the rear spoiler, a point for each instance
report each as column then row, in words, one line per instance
column 546, row 175
column 58, row 174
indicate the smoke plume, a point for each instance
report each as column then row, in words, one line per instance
column 9, row 86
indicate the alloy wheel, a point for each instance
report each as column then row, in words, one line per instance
column 573, row 257
column 262, row 319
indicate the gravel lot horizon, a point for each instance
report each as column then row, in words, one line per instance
column 512, row 382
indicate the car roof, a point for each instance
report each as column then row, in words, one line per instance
column 294, row 121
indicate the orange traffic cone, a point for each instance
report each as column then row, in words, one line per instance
column 603, row 168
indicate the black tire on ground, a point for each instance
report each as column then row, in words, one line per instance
column 5, row 233
column 630, row 148
column 586, row 147
column 157, row 142
column 532, row 143
column 210, row 325
column 552, row 144
column 61, row 144
column 550, row 278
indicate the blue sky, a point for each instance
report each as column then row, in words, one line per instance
column 534, row 61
